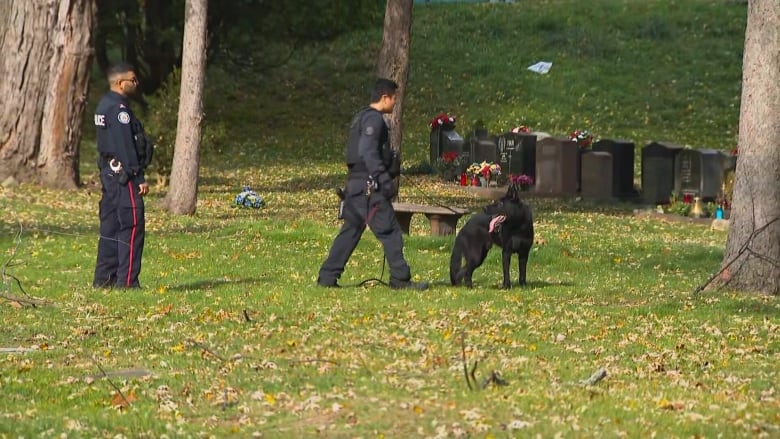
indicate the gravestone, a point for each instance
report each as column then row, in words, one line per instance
column 446, row 139
column 699, row 172
column 517, row 154
column 557, row 166
column 598, row 181
column 658, row 172
column 483, row 147
column 622, row 152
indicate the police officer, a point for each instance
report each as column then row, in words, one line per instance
column 123, row 153
column 371, row 167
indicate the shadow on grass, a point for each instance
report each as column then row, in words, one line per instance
column 754, row 304
column 494, row 285
column 207, row 284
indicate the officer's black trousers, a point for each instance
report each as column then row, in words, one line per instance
column 122, row 230
column 377, row 212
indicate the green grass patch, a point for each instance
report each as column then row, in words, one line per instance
column 229, row 335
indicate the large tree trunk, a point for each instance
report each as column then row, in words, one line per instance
column 45, row 56
column 182, row 194
column 393, row 62
column 752, row 259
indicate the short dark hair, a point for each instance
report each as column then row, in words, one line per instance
column 119, row 69
column 383, row 86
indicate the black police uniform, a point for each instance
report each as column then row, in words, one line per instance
column 121, row 142
column 372, row 165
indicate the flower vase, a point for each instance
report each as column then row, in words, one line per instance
column 475, row 181
column 464, row 179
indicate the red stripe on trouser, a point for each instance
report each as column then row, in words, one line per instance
column 132, row 235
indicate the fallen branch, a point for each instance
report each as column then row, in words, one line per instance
column 494, row 378
column 597, row 376
column 118, row 390
column 745, row 248
column 465, row 363
column 16, row 350
column 6, row 294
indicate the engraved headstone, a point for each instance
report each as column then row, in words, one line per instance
column 517, row 154
column 699, row 172
column 658, row 172
column 446, row 139
column 597, row 175
column 622, row 152
column 557, row 166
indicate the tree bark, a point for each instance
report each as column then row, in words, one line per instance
column 752, row 259
column 393, row 61
column 182, row 194
column 46, row 53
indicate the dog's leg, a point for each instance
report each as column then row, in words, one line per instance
column 522, row 262
column 506, row 260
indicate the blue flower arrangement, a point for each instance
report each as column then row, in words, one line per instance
column 249, row 198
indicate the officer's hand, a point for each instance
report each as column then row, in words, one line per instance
column 143, row 189
column 386, row 186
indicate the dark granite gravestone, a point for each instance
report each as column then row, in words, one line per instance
column 557, row 165
column 483, row 146
column 658, row 172
column 699, row 172
column 623, row 165
column 446, row 139
column 517, row 154
column 597, row 175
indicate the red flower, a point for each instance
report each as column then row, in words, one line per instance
column 583, row 138
column 520, row 129
column 449, row 156
column 441, row 120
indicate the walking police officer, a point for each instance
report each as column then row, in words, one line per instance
column 123, row 153
column 371, row 167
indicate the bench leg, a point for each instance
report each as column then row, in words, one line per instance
column 442, row 224
column 404, row 219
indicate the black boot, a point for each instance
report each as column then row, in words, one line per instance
column 408, row 284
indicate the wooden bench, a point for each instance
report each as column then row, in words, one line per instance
column 442, row 220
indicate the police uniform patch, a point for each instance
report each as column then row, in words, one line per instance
column 124, row 117
column 369, row 130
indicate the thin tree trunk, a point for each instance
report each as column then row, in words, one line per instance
column 752, row 259
column 46, row 54
column 182, row 194
column 393, row 62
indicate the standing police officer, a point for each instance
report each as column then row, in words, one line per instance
column 123, row 153
column 371, row 165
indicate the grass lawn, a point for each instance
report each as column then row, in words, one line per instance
column 231, row 337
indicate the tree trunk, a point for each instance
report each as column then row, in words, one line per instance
column 182, row 194
column 46, row 54
column 752, row 259
column 393, row 62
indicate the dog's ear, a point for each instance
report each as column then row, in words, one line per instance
column 512, row 193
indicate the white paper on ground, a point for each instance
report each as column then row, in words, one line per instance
column 541, row 67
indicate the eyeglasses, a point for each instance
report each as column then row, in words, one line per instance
column 134, row 80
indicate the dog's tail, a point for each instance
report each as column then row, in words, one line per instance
column 455, row 262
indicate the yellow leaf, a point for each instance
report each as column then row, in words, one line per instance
column 269, row 398
column 419, row 410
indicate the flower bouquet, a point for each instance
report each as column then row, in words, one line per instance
column 523, row 181
column 520, row 129
column 447, row 165
column 442, row 119
column 249, row 198
column 582, row 138
column 483, row 172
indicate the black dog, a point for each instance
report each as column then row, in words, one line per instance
column 507, row 223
